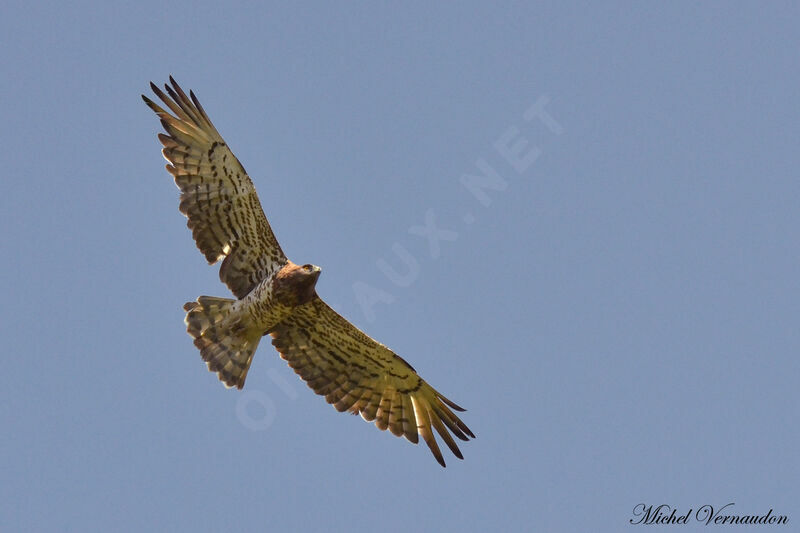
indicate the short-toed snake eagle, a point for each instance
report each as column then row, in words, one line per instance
column 275, row 296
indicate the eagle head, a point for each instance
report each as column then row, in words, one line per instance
column 295, row 284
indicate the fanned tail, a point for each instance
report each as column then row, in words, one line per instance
column 224, row 341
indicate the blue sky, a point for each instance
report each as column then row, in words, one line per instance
column 619, row 314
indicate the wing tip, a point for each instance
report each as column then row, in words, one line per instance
column 451, row 403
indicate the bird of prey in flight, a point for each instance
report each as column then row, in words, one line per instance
column 275, row 296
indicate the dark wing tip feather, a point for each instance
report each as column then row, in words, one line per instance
column 199, row 106
column 158, row 91
column 451, row 421
column 176, row 92
column 450, row 403
column 430, row 440
column 152, row 105
column 171, row 92
column 439, row 425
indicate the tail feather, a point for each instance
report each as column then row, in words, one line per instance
column 225, row 343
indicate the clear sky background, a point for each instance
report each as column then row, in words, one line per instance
column 620, row 317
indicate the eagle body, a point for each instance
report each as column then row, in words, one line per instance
column 273, row 295
column 227, row 331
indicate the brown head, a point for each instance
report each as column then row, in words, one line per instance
column 295, row 284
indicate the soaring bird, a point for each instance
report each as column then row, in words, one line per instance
column 275, row 296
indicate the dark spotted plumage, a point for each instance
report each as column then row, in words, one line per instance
column 355, row 373
column 274, row 296
column 217, row 195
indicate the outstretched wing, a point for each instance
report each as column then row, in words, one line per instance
column 355, row 373
column 217, row 195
